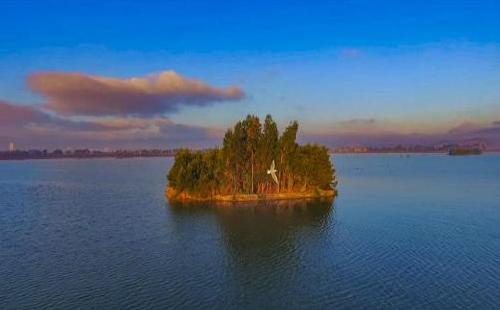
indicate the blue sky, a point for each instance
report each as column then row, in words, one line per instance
column 397, row 67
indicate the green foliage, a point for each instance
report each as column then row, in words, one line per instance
column 288, row 150
column 196, row 172
column 247, row 152
column 313, row 166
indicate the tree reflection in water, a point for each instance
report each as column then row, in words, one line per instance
column 267, row 244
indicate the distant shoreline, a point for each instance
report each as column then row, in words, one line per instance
column 84, row 154
column 172, row 155
column 78, row 158
column 389, row 152
column 405, row 153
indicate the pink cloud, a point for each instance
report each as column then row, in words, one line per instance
column 30, row 127
column 72, row 94
column 11, row 114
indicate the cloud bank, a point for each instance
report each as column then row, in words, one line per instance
column 30, row 127
column 76, row 94
column 371, row 132
column 92, row 111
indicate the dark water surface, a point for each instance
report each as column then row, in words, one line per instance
column 406, row 232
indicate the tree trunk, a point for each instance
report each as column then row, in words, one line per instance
column 252, row 171
column 280, row 172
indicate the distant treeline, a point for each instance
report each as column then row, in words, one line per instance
column 404, row 149
column 84, row 153
column 240, row 166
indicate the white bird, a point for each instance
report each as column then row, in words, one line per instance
column 272, row 171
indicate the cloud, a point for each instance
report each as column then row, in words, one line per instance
column 472, row 130
column 75, row 94
column 369, row 132
column 365, row 126
column 30, row 127
column 11, row 114
column 373, row 139
column 465, row 128
column 358, row 122
column 18, row 117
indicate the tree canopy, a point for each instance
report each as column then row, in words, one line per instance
column 240, row 165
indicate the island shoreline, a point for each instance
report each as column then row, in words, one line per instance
column 175, row 195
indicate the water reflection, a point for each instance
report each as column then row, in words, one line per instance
column 262, row 222
column 259, row 237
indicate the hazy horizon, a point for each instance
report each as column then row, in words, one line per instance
column 102, row 75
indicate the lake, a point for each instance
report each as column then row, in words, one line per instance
column 417, row 231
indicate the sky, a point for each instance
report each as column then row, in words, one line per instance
column 166, row 74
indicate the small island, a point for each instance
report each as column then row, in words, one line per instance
column 254, row 163
column 464, row 151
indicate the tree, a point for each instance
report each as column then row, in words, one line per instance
column 288, row 148
column 267, row 151
column 253, row 136
column 247, row 151
column 312, row 167
column 229, row 160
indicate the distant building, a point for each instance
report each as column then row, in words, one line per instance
column 12, row 147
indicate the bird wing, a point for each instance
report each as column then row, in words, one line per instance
column 272, row 166
column 275, row 178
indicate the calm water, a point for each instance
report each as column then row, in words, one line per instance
column 406, row 232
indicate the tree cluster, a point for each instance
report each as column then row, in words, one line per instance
column 240, row 166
